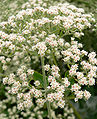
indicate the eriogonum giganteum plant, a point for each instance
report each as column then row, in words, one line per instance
column 41, row 59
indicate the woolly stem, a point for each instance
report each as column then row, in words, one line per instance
column 45, row 87
column 75, row 111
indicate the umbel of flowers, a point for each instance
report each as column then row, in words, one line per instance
column 40, row 63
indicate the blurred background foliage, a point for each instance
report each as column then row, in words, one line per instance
column 88, row 109
column 9, row 7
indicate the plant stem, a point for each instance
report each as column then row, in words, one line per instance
column 55, row 62
column 49, row 109
column 43, row 72
column 75, row 111
column 45, row 87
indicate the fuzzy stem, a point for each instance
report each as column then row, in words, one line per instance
column 55, row 62
column 75, row 111
column 45, row 87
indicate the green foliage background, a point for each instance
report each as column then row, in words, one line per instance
column 88, row 110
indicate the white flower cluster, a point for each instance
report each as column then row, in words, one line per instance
column 34, row 41
column 68, row 112
column 20, row 83
column 82, row 71
column 8, row 110
column 41, row 47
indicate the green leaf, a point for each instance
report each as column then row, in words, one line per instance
column 72, row 80
column 39, row 77
column 45, row 113
column 66, row 73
